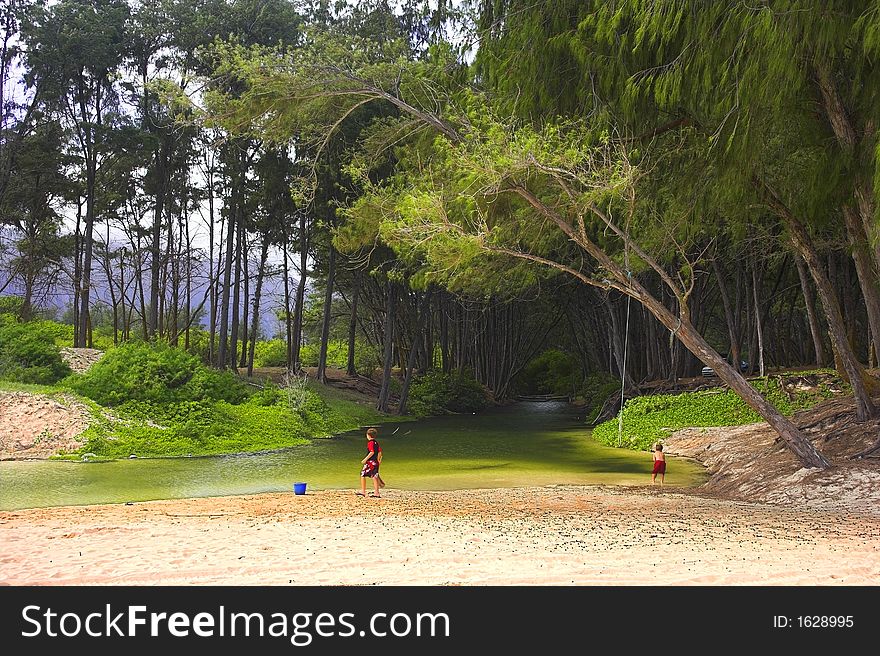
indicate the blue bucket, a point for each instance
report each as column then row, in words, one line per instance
column 299, row 488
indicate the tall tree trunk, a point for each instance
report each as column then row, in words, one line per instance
column 83, row 328
column 236, row 295
column 352, row 327
column 758, row 323
column 287, row 313
column 156, row 244
column 223, row 330
column 29, row 275
column 138, row 248
column 264, row 254
column 868, row 278
column 77, row 267
column 445, row 354
column 803, row 244
column 857, row 145
column 212, row 277
column 387, row 360
column 735, row 355
column 417, row 345
column 300, row 293
column 325, row 322
column 122, row 293
column 812, row 316
column 188, row 292
column 242, row 363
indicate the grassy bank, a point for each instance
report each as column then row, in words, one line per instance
column 265, row 421
column 649, row 419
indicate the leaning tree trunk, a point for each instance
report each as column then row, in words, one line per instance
column 868, row 280
column 385, row 389
column 842, row 349
column 864, row 227
column 680, row 326
column 325, row 322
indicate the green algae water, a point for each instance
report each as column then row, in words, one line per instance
column 524, row 444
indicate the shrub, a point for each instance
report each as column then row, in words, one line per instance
column 296, row 391
column 436, row 393
column 270, row 353
column 155, row 373
column 337, row 354
column 11, row 305
column 28, row 353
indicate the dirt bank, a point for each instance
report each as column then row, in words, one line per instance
column 34, row 426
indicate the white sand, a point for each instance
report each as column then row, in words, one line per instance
column 552, row 535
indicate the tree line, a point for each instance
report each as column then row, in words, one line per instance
column 648, row 186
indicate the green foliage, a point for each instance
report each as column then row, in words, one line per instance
column 647, row 419
column 11, row 305
column 28, row 353
column 204, row 427
column 437, row 393
column 270, row 353
column 155, row 374
column 273, row 353
column 552, row 372
column 595, row 389
column 337, row 354
column 197, row 428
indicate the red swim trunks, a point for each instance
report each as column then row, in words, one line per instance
column 370, row 469
column 659, row 467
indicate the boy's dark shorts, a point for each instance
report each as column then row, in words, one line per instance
column 370, row 469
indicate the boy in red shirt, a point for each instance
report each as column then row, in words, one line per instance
column 371, row 465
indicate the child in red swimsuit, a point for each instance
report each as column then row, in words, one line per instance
column 659, row 465
column 371, row 465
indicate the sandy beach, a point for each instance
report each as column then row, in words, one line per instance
column 526, row 536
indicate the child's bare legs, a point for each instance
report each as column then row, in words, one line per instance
column 363, row 486
column 376, row 485
column 653, row 478
column 662, row 478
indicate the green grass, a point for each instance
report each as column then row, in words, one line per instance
column 649, row 419
column 33, row 388
column 198, row 428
